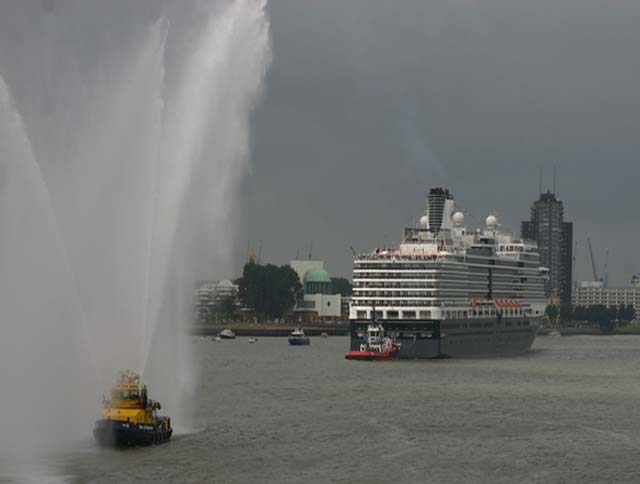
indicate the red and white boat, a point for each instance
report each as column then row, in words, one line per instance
column 377, row 346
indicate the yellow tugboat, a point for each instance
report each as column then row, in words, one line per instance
column 130, row 418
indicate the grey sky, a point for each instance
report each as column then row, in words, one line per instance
column 368, row 103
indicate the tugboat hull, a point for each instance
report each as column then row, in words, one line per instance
column 299, row 341
column 369, row 355
column 115, row 433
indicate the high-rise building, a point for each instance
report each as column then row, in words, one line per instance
column 555, row 243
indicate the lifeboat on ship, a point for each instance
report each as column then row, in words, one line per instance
column 377, row 346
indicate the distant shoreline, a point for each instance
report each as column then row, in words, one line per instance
column 625, row 331
column 274, row 329
column 270, row 329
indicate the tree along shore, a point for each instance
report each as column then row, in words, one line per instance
column 598, row 317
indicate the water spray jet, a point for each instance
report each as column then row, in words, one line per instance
column 138, row 150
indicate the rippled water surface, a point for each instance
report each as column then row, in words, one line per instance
column 567, row 412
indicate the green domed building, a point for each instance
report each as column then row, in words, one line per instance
column 317, row 281
column 318, row 302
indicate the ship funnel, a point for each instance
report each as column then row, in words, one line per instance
column 440, row 208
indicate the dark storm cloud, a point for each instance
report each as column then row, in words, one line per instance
column 368, row 103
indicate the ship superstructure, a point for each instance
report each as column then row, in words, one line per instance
column 446, row 291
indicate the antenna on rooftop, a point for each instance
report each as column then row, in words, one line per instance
column 593, row 261
column 573, row 263
column 311, row 250
column 540, row 185
column 554, row 180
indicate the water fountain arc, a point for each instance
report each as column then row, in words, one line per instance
column 102, row 211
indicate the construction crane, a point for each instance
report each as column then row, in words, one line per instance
column 605, row 271
column 593, row 261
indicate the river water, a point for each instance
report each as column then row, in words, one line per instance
column 566, row 412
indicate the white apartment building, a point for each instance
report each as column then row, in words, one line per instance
column 594, row 294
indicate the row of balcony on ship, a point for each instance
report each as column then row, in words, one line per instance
column 479, row 312
column 462, row 263
column 450, row 273
column 499, row 291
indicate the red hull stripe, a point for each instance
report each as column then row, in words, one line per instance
column 371, row 355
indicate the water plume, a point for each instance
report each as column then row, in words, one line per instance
column 42, row 328
column 117, row 193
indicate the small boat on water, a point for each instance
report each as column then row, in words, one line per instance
column 298, row 338
column 226, row 334
column 324, row 335
column 377, row 346
column 253, row 340
column 129, row 417
column 217, row 339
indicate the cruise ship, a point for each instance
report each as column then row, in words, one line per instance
column 448, row 292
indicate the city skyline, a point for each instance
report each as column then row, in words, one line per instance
column 356, row 123
column 475, row 219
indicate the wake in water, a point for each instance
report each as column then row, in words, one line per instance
column 117, row 188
